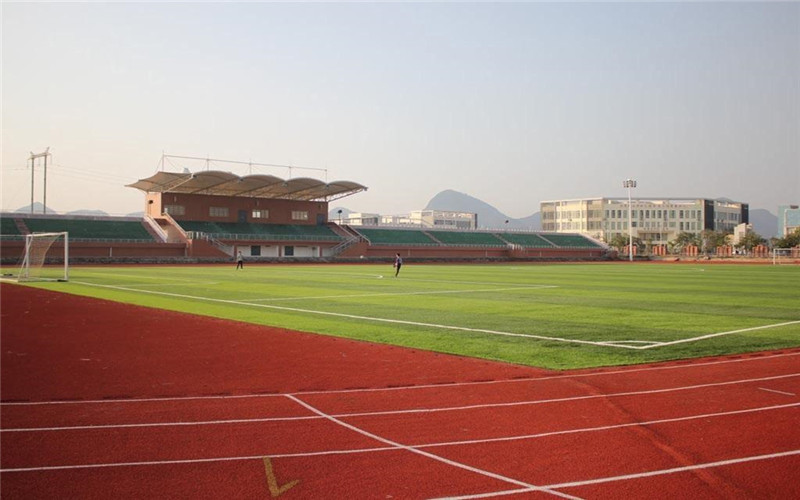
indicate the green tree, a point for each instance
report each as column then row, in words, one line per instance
column 620, row 241
column 683, row 240
column 712, row 239
column 789, row 241
column 751, row 240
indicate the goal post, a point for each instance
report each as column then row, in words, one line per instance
column 46, row 257
column 781, row 256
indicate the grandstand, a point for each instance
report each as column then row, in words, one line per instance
column 211, row 216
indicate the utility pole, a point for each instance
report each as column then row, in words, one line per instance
column 33, row 170
column 629, row 184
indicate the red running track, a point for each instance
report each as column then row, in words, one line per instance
column 101, row 398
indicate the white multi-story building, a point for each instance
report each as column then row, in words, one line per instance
column 432, row 219
column 443, row 219
column 654, row 220
column 360, row 219
column 788, row 219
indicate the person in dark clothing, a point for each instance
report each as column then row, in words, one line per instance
column 398, row 262
column 239, row 260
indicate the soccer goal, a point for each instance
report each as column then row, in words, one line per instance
column 46, row 257
column 781, row 256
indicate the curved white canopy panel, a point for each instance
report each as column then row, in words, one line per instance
column 215, row 182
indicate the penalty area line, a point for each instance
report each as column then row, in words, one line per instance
column 720, row 334
column 364, row 318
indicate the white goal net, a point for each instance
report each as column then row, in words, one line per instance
column 783, row 255
column 46, row 257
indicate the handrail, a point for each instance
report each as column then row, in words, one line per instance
column 156, row 228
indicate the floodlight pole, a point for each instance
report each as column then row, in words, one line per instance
column 630, row 183
column 33, row 169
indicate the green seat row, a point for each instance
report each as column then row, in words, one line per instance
column 283, row 231
column 8, row 226
column 527, row 240
column 570, row 241
column 91, row 228
column 464, row 238
column 395, row 236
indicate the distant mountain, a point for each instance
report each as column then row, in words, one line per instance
column 764, row 223
column 38, row 208
column 135, row 214
column 488, row 216
column 99, row 213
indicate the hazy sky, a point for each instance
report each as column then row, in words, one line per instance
column 510, row 103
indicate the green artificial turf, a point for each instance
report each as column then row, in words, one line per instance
column 635, row 304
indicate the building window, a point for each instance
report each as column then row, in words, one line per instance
column 260, row 214
column 218, row 211
column 175, row 210
column 299, row 215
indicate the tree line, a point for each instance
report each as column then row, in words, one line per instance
column 707, row 241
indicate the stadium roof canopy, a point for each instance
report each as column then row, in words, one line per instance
column 218, row 183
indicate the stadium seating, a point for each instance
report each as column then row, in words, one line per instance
column 570, row 241
column 527, row 240
column 88, row 229
column 238, row 230
column 8, row 227
column 395, row 236
column 460, row 238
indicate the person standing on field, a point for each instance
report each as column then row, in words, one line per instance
column 239, row 260
column 398, row 262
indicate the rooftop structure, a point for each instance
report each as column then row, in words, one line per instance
column 219, row 183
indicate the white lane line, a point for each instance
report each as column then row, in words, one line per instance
column 399, row 294
column 418, row 410
column 174, row 462
column 361, row 318
column 404, row 388
column 452, row 463
column 393, row 448
column 160, row 424
column 582, row 430
column 640, row 475
column 778, row 392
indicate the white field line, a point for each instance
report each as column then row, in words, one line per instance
column 640, row 475
column 720, row 334
column 395, row 294
column 157, row 277
column 413, row 410
column 429, row 445
column 405, row 388
column 449, row 462
column 357, row 317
